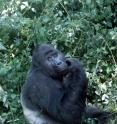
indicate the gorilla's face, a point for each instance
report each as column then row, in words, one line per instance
column 56, row 61
column 51, row 61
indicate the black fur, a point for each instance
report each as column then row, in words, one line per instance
column 61, row 98
column 57, row 89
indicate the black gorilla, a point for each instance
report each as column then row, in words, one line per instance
column 55, row 89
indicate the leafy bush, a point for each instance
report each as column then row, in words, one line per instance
column 83, row 29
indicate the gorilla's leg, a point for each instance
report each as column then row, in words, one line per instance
column 32, row 117
column 36, row 117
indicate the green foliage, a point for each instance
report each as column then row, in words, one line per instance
column 83, row 29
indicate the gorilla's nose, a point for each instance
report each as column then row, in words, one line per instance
column 59, row 63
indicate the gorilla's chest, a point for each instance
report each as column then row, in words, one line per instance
column 48, row 90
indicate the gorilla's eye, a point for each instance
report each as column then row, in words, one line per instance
column 55, row 55
column 49, row 58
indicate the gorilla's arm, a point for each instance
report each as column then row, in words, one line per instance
column 75, row 83
column 73, row 102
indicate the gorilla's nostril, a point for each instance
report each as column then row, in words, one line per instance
column 59, row 63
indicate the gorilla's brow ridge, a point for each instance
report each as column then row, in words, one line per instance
column 48, row 52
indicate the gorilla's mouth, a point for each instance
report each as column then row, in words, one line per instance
column 62, row 70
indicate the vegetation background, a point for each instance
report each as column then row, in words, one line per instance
column 85, row 29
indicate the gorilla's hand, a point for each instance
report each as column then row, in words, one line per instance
column 75, row 82
column 73, row 65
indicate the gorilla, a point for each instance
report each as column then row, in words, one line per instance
column 55, row 90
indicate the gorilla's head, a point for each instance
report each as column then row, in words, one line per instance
column 49, row 60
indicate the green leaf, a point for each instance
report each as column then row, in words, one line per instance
column 3, row 71
column 2, row 46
